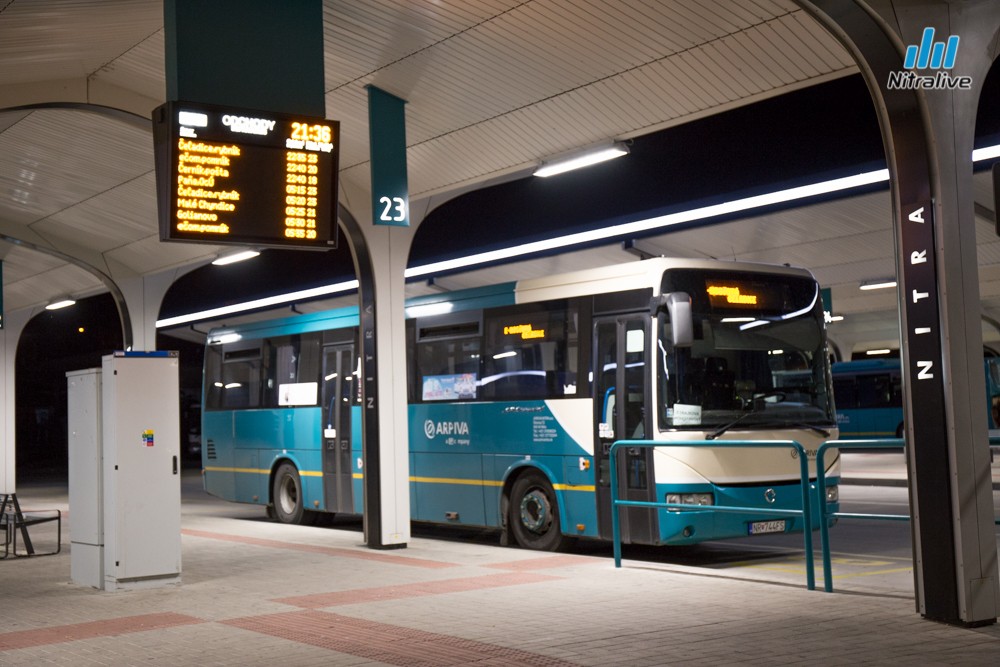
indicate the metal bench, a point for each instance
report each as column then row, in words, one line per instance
column 14, row 520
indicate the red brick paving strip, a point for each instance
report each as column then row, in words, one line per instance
column 386, row 643
column 546, row 562
column 111, row 627
column 362, row 595
column 329, row 551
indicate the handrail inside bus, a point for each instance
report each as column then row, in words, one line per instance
column 650, row 444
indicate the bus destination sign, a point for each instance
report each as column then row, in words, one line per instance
column 241, row 177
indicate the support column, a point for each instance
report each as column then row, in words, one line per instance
column 928, row 131
column 13, row 325
column 383, row 357
column 143, row 296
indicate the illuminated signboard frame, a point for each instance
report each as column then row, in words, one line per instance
column 246, row 177
column 758, row 295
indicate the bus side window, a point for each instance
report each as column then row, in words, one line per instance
column 291, row 362
column 241, row 383
column 530, row 354
column 213, row 377
column 846, row 392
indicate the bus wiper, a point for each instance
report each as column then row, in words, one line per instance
column 722, row 429
column 725, row 427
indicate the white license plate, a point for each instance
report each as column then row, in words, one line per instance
column 761, row 527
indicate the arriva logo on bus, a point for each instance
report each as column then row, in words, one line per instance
column 432, row 428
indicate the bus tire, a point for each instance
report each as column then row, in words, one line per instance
column 286, row 494
column 534, row 513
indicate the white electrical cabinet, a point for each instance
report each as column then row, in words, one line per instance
column 133, row 478
column 86, row 530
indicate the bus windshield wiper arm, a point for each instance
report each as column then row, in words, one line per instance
column 725, row 427
column 722, row 429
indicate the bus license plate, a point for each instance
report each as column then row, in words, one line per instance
column 761, row 527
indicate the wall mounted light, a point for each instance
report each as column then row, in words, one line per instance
column 61, row 302
column 232, row 258
column 580, row 159
column 875, row 353
column 884, row 283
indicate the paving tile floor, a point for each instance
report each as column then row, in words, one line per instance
column 259, row 593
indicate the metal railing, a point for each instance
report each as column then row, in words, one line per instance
column 824, row 528
column 805, row 512
column 824, row 514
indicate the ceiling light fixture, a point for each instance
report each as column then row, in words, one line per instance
column 426, row 309
column 873, row 353
column 267, row 302
column 580, row 159
column 61, row 302
column 650, row 224
column 884, row 283
column 235, row 257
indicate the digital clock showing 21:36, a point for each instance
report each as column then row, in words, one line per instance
column 245, row 177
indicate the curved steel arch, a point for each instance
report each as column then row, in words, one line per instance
column 128, row 118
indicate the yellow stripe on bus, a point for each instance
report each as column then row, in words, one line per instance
column 491, row 482
column 261, row 471
column 454, row 480
column 421, row 480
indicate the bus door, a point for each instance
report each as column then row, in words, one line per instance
column 339, row 388
column 621, row 372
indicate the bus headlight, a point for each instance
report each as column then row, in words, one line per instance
column 832, row 494
column 690, row 499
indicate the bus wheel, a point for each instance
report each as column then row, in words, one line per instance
column 534, row 514
column 287, row 495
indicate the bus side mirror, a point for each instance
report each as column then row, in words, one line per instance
column 678, row 306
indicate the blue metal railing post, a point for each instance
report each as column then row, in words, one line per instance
column 807, row 535
column 806, row 510
column 824, row 530
column 616, row 534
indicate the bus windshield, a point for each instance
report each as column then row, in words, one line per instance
column 758, row 358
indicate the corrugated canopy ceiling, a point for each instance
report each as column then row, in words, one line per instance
column 493, row 87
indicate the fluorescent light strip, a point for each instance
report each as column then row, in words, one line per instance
column 658, row 222
column 987, row 153
column 881, row 285
column 235, row 257
column 347, row 286
column 62, row 303
column 585, row 160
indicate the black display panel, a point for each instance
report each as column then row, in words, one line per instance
column 245, row 177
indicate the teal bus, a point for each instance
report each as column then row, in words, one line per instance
column 869, row 397
column 517, row 391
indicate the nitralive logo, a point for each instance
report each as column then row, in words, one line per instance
column 930, row 55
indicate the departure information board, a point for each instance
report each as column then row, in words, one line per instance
column 243, row 177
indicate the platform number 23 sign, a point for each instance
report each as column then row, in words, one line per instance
column 393, row 209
